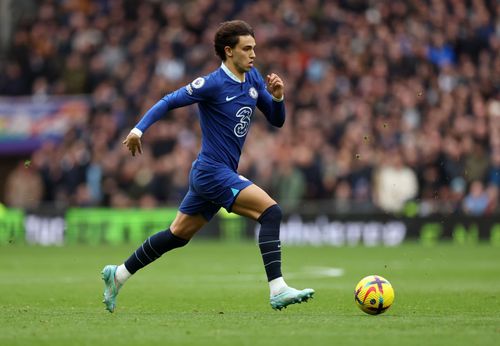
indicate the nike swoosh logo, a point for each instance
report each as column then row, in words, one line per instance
column 230, row 98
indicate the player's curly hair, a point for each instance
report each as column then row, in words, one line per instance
column 228, row 35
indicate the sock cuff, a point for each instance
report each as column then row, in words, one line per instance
column 177, row 238
column 273, row 212
column 130, row 270
column 153, row 248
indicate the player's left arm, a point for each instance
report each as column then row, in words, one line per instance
column 270, row 100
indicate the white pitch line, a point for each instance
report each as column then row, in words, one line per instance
column 306, row 272
column 318, row 272
column 327, row 271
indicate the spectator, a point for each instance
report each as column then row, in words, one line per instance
column 288, row 183
column 477, row 200
column 418, row 77
column 24, row 187
column 395, row 183
column 492, row 191
column 494, row 169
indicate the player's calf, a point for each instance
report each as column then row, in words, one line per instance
column 154, row 247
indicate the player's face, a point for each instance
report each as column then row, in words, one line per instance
column 243, row 54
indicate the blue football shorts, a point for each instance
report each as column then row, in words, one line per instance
column 210, row 188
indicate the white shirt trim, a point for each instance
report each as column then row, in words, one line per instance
column 232, row 75
column 136, row 131
column 236, row 79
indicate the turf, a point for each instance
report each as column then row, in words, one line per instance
column 216, row 294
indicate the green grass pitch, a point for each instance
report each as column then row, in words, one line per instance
column 216, row 294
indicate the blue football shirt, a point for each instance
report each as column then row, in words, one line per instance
column 226, row 108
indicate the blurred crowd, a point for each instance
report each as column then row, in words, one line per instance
column 390, row 104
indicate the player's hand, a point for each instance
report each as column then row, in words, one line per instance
column 133, row 143
column 275, row 85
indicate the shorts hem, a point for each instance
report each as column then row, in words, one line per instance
column 230, row 207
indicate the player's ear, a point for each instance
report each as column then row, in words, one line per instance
column 229, row 51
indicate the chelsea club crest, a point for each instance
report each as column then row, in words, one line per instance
column 253, row 93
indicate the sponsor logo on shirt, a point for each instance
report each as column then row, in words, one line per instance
column 245, row 115
column 189, row 89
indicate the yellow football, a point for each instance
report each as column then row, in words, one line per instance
column 374, row 294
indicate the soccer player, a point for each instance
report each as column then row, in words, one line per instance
column 226, row 99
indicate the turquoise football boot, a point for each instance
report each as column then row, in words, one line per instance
column 290, row 295
column 111, row 287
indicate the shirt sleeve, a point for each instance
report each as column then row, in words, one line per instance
column 199, row 90
column 274, row 110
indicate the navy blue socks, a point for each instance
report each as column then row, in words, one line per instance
column 269, row 241
column 269, row 244
column 153, row 248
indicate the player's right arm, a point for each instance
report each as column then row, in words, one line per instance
column 199, row 90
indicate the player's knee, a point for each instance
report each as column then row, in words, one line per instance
column 184, row 230
column 185, row 226
column 272, row 215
